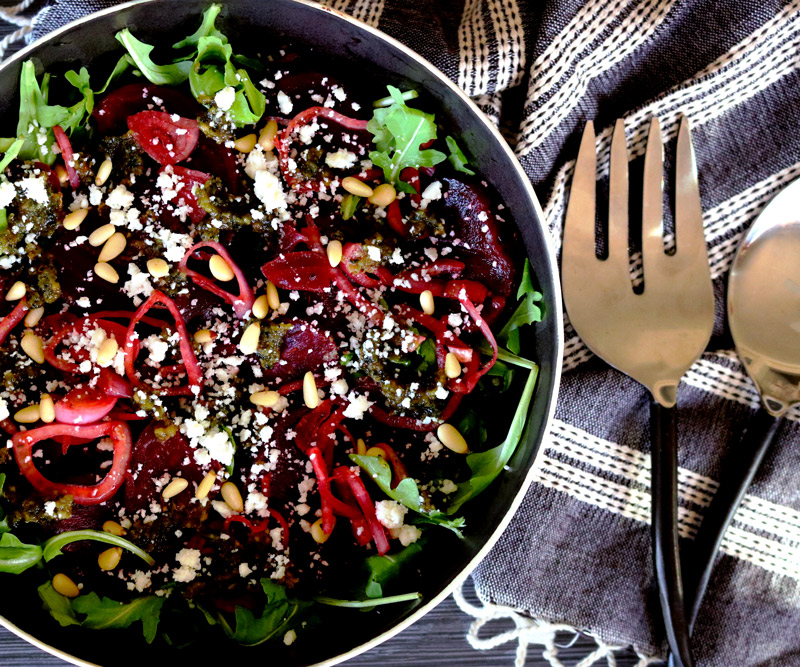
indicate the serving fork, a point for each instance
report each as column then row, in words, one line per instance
column 653, row 335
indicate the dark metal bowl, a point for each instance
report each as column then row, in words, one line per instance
column 348, row 43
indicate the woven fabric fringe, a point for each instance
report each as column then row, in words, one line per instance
column 13, row 15
column 532, row 631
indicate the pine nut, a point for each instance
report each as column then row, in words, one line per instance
column 204, row 487
column 61, row 172
column 32, row 346
column 203, row 336
column 318, row 534
column 100, row 235
column 16, row 292
column 267, row 137
column 261, row 307
column 113, row 247
column 29, row 415
column 220, row 269
column 265, row 399
column 450, row 437
column 232, row 497
column 176, row 486
column 158, row 268
column 273, row 299
column 452, row 368
column 110, row 558
column 104, row 171
column 32, row 317
column 334, row 251
column 383, row 195
column 106, row 272
column 361, row 447
column 356, row 187
column 310, row 394
column 63, row 585
column 107, row 351
column 47, row 410
column 246, row 143
column 73, row 220
column 376, row 451
column 113, row 528
column 249, row 341
column 426, row 301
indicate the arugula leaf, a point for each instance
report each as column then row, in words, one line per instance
column 59, row 606
column 486, row 466
column 526, row 313
column 35, row 115
column 398, row 132
column 232, row 440
column 457, row 157
column 16, row 556
column 2, row 481
column 455, row 524
column 161, row 75
column 213, row 70
column 382, row 569
column 206, row 29
column 506, row 375
column 55, row 544
column 374, row 602
column 387, row 101
column 406, row 492
column 11, row 153
column 349, row 205
column 281, row 613
column 104, row 613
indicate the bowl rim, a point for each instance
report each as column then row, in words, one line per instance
column 557, row 315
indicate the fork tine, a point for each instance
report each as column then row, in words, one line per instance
column 688, row 210
column 579, row 236
column 618, row 196
column 653, row 199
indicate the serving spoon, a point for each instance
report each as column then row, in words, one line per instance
column 764, row 318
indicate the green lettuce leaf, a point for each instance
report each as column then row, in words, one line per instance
column 206, row 29
column 281, row 614
column 367, row 604
column 383, row 569
column 527, row 312
column 486, row 466
column 96, row 613
column 161, row 75
column 16, row 556
column 104, row 613
column 59, row 606
column 55, row 544
column 457, row 157
column 398, row 131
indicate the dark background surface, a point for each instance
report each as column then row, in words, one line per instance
column 440, row 637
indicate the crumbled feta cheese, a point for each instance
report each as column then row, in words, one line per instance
column 408, row 535
column 433, row 191
column 189, row 560
column 284, row 103
column 374, row 253
column 269, row 191
column 35, row 188
column 390, row 513
column 7, row 193
column 224, row 98
column 357, row 407
column 341, row 159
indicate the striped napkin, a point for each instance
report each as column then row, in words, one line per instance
column 577, row 554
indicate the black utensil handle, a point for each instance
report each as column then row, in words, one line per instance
column 666, row 554
column 734, row 482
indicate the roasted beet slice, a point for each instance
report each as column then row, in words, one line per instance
column 219, row 160
column 470, row 216
column 152, row 457
column 111, row 114
column 167, row 138
column 304, row 348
